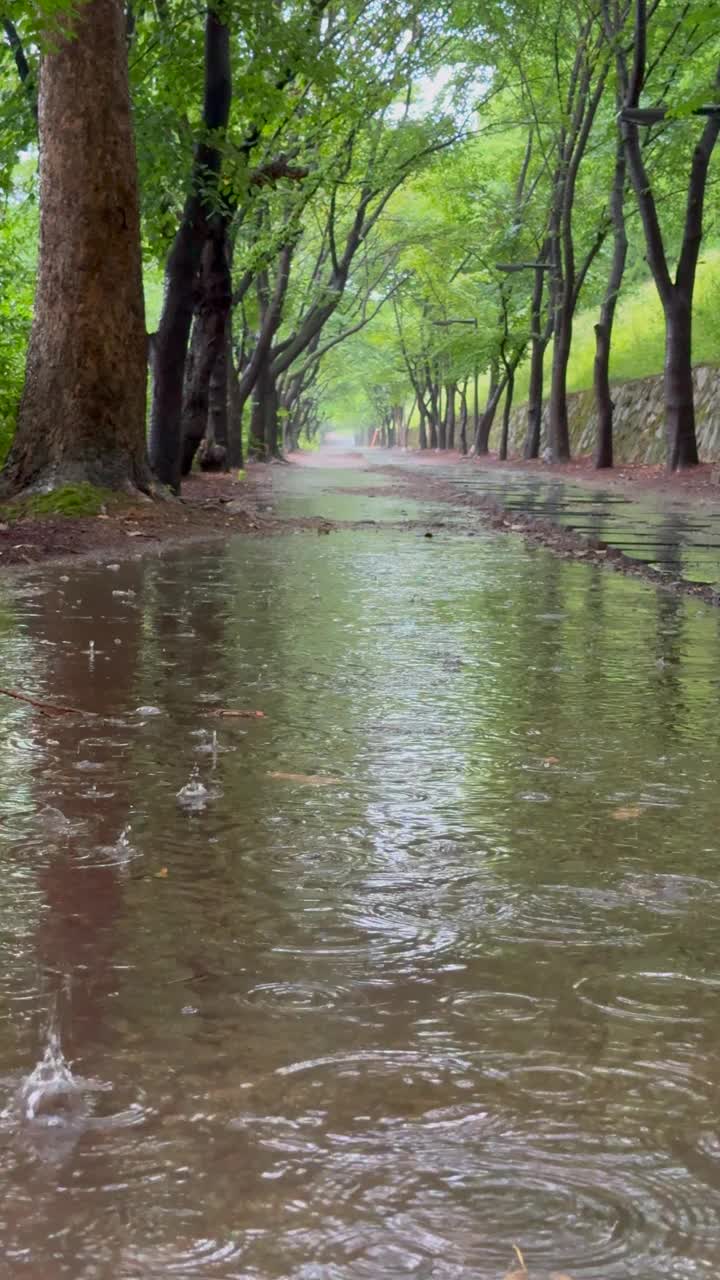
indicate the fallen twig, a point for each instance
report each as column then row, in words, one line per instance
column 45, row 708
column 238, row 715
column 312, row 779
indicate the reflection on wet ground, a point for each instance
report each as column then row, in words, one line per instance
column 463, row 998
column 669, row 533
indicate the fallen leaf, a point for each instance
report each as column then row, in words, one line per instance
column 137, row 533
column 516, row 1275
column 550, row 760
column 628, row 811
column 162, row 874
column 559, row 1275
column 519, row 1255
column 237, row 715
column 311, row 779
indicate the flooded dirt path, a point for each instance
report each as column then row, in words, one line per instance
column 421, row 965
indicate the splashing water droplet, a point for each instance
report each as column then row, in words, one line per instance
column 194, row 795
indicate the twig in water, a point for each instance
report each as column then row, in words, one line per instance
column 45, row 708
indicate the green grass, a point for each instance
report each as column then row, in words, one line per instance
column 638, row 340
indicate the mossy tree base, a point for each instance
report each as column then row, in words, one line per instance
column 72, row 500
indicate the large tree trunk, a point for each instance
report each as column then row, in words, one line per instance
column 183, row 263
column 679, row 396
column 208, row 341
column 82, row 415
column 263, row 442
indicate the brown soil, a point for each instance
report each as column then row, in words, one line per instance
column 210, row 506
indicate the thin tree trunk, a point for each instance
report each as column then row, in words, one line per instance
column 184, row 260
column 235, row 411
column 604, row 327
column 450, row 390
column 422, row 427
column 463, row 418
column 540, row 337
column 433, row 412
column 558, row 427
column 481, row 443
column 535, row 399
column 441, row 419
column 82, row 414
column 507, row 410
column 679, row 394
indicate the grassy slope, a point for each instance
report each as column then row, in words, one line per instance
column 637, row 349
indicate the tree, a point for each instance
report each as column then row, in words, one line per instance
column 185, row 259
column 675, row 290
column 82, row 414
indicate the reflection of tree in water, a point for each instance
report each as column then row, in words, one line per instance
column 670, row 635
column 70, row 849
column 82, row 889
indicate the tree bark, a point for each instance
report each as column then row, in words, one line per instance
column 463, row 417
column 184, row 260
column 481, row 443
column 507, row 410
column 558, row 428
column 263, row 443
column 440, row 417
column 535, row 399
column 679, row 393
column 450, row 418
column 541, row 335
column 422, row 426
column 208, row 342
column 82, row 414
column 604, row 327
column 217, row 430
column 235, row 411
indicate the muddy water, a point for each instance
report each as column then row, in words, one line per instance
column 462, row 997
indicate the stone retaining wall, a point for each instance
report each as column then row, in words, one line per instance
column 639, row 430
